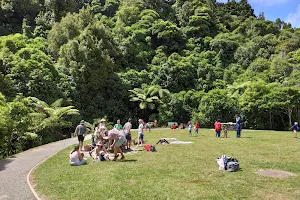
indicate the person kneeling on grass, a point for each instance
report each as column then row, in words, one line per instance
column 76, row 157
column 116, row 140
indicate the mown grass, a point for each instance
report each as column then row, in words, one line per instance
column 181, row 171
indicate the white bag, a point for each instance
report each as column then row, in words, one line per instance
column 222, row 162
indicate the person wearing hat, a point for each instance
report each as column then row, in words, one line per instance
column 99, row 147
column 102, row 123
column 80, row 132
column 116, row 140
column 76, row 157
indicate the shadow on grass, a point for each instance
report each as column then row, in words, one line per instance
column 130, row 160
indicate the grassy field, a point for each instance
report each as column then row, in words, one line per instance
column 181, row 171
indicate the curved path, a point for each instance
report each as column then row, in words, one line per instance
column 14, row 170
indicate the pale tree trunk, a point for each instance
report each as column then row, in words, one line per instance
column 270, row 119
column 290, row 111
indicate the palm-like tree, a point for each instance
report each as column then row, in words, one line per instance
column 148, row 97
column 158, row 90
column 52, row 116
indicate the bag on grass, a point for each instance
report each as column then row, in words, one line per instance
column 152, row 148
column 233, row 166
column 227, row 163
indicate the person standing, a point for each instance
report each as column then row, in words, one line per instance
column 80, row 132
column 197, row 126
column 190, row 128
column 295, row 128
column 238, row 126
column 218, row 126
column 96, row 135
column 118, row 125
column 116, row 140
column 140, row 132
column 127, row 130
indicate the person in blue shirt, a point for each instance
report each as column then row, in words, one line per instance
column 295, row 128
column 238, row 126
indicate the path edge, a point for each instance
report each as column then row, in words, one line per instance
column 34, row 168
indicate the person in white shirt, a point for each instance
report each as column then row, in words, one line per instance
column 116, row 140
column 76, row 157
column 127, row 131
column 140, row 132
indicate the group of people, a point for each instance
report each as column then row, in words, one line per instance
column 218, row 127
column 104, row 140
column 196, row 127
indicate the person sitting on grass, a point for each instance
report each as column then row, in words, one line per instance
column 76, row 157
column 295, row 128
column 103, row 156
column 100, row 147
column 116, row 140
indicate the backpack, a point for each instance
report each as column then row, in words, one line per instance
column 152, row 148
column 227, row 163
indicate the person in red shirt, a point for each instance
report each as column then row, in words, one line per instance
column 197, row 126
column 174, row 126
column 218, row 128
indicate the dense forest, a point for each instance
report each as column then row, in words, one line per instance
column 165, row 60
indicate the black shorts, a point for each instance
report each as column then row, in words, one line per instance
column 80, row 138
column 128, row 136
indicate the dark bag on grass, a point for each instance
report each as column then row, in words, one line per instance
column 229, row 164
column 152, row 148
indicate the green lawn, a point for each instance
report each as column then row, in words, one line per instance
column 181, row 171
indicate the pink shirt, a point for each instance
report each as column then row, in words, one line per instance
column 115, row 134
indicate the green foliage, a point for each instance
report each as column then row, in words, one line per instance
column 148, row 98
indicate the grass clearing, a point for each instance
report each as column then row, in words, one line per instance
column 181, row 171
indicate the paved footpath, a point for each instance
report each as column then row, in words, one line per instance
column 14, row 170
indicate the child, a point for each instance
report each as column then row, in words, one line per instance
column 174, row 126
column 225, row 132
column 190, row 128
column 103, row 156
column 98, row 150
column 197, row 126
column 295, row 128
